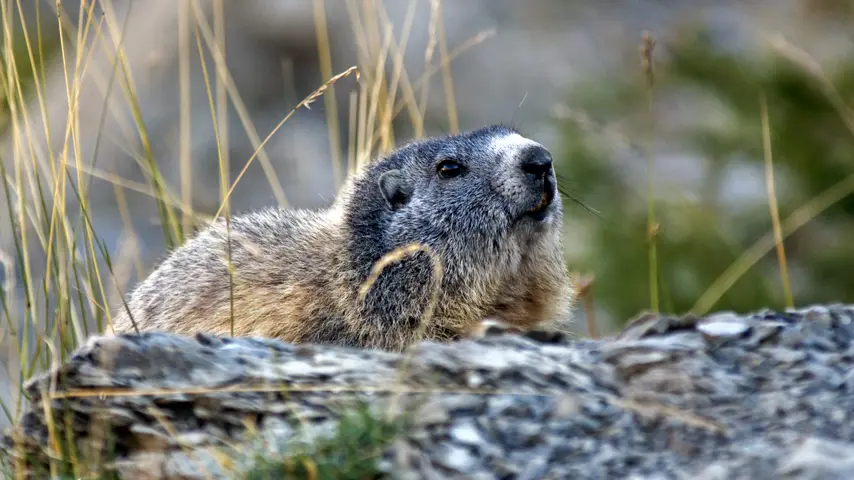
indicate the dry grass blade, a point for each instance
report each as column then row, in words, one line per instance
column 802, row 58
column 423, row 82
column 655, row 409
column 377, row 90
column 325, row 57
column 432, row 40
column 220, row 109
column 646, row 48
column 326, row 86
column 395, row 256
column 772, row 201
column 761, row 247
column 220, row 132
column 303, row 103
column 359, row 34
column 352, row 132
column 260, row 388
column 53, row 440
column 224, row 77
column 431, row 32
column 584, row 289
column 363, row 152
column 118, row 181
column 184, row 113
column 447, row 80
column 399, row 77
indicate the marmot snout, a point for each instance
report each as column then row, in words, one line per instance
column 535, row 163
column 482, row 205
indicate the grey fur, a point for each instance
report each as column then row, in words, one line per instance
column 297, row 273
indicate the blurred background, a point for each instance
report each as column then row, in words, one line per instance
column 124, row 123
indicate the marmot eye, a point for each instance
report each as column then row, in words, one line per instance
column 449, row 169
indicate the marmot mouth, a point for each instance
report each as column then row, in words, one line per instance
column 541, row 209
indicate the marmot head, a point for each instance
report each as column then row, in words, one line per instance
column 483, row 196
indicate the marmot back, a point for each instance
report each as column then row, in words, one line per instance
column 481, row 204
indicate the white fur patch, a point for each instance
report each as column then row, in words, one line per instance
column 511, row 144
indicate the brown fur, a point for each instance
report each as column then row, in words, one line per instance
column 294, row 279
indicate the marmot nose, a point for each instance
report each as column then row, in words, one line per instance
column 536, row 161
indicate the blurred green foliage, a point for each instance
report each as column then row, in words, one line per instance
column 703, row 229
column 43, row 46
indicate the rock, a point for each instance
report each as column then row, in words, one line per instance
column 456, row 458
column 720, row 326
column 820, row 458
column 466, row 434
column 762, row 395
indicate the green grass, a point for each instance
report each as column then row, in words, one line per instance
column 352, row 451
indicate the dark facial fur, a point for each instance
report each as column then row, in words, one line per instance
column 483, row 200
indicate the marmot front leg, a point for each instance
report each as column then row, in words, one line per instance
column 395, row 307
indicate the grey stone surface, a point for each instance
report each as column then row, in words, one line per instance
column 769, row 396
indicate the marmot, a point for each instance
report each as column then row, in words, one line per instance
column 484, row 203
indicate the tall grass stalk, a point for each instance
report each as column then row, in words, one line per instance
column 329, row 100
column 240, row 108
column 224, row 179
column 646, row 48
column 184, row 113
column 772, row 201
column 447, row 81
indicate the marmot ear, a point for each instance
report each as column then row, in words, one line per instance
column 394, row 189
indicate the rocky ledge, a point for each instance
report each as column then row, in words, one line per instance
column 727, row 396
